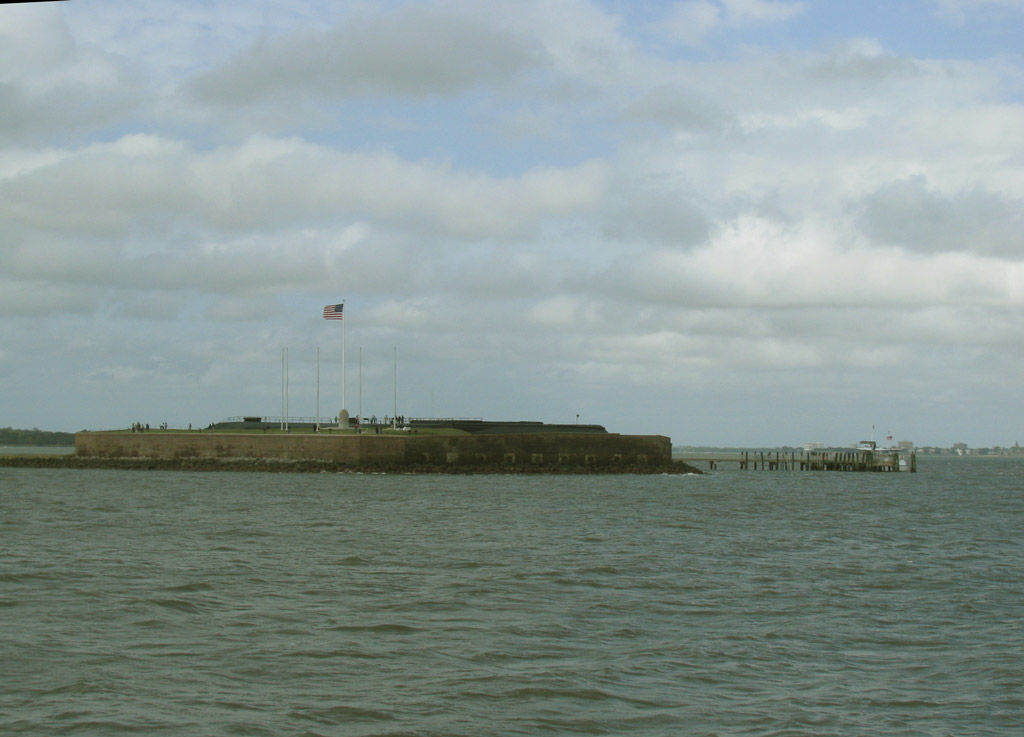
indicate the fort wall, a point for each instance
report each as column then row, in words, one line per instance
column 538, row 450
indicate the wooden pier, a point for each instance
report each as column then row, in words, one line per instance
column 815, row 460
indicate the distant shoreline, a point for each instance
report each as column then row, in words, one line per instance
column 35, row 437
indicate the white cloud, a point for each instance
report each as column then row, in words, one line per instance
column 51, row 84
column 692, row 21
column 910, row 214
column 761, row 11
column 159, row 186
column 419, row 51
column 583, row 45
column 172, row 39
column 757, row 264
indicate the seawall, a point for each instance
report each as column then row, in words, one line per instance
column 537, row 452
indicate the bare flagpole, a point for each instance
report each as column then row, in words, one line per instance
column 317, row 423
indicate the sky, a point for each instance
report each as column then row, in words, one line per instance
column 731, row 222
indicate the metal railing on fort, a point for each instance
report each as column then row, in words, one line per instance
column 271, row 419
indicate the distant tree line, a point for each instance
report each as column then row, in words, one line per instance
column 35, row 436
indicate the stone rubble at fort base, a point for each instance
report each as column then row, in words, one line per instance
column 276, row 465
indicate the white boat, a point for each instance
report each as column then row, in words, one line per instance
column 903, row 453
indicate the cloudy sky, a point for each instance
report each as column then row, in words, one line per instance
column 732, row 222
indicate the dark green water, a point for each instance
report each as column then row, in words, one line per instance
column 739, row 603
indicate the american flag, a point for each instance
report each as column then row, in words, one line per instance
column 333, row 312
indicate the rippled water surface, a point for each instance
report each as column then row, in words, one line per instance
column 760, row 603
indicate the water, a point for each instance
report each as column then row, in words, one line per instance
column 738, row 603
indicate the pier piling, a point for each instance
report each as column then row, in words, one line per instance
column 859, row 461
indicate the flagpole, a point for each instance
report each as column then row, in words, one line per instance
column 394, row 418
column 316, row 424
column 344, row 404
column 360, row 415
column 286, row 388
column 337, row 312
column 282, row 389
